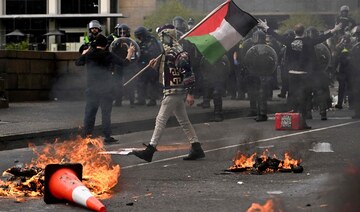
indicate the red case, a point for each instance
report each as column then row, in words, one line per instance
column 288, row 121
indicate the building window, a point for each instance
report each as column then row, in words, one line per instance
column 25, row 7
column 79, row 6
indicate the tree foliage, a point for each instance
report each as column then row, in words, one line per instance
column 167, row 11
column 23, row 45
column 306, row 19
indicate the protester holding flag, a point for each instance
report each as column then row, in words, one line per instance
column 178, row 79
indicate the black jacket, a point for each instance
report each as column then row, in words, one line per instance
column 301, row 51
column 99, row 65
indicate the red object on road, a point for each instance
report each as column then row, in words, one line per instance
column 63, row 182
column 288, row 121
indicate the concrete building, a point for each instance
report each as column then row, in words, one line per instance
column 64, row 21
column 58, row 23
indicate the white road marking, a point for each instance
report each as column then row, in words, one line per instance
column 247, row 143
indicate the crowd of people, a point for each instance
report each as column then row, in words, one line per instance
column 306, row 58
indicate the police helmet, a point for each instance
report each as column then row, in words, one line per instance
column 95, row 24
column 259, row 36
column 290, row 33
column 122, row 30
column 141, row 32
column 312, row 32
column 179, row 23
column 344, row 8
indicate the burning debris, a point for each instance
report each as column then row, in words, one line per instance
column 269, row 206
column 99, row 175
column 264, row 164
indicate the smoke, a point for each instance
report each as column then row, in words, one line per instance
column 345, row 192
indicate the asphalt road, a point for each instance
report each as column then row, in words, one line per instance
column 171, row 184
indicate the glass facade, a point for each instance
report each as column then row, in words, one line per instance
column 25, row 7
column 79, row 6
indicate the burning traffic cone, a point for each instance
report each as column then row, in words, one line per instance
column 62, row 182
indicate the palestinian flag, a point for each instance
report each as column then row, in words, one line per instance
column 221, row 30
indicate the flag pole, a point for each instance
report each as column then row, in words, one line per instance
column 140, row 72
column 205, row 19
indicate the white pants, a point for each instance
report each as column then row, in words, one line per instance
column 173, row 104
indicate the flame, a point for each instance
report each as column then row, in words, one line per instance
column 242, row 161
column 288, row 162
column 269, row 206
column 99, row 175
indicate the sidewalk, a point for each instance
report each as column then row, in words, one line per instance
column 44, row 121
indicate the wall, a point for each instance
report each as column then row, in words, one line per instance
column 38, row 76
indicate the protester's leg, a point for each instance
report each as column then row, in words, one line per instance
column 91, row 108
column 167, row 107
column 106, row 108
column 196, row 152
column 183, row 119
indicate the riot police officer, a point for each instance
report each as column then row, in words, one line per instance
column 123, row 31
column 290, row 34
column 260, row 62
column 214, row 77
column 344, row 70
column 120, row 30
column 148, row 82
column 321, row 81
column 180, row 24
column 94, row 29
column 344, row 18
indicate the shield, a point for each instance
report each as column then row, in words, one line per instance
column 120, row 45
column 261, row 60
column 323, row 57
column 244, row 47
column 355, row 55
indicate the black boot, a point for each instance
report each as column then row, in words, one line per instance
column 146, row 154
column 323, row 116
column 218, row 117
column 196, row 152
column 260, row 118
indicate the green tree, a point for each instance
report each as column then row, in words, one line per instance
column 23, row 45
column 167, row 11
column 306, row 19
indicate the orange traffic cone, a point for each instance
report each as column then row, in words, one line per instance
column 62, row 182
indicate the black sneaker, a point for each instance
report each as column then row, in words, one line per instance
column 110, row 140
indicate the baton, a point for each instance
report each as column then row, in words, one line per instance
column 141, row 71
